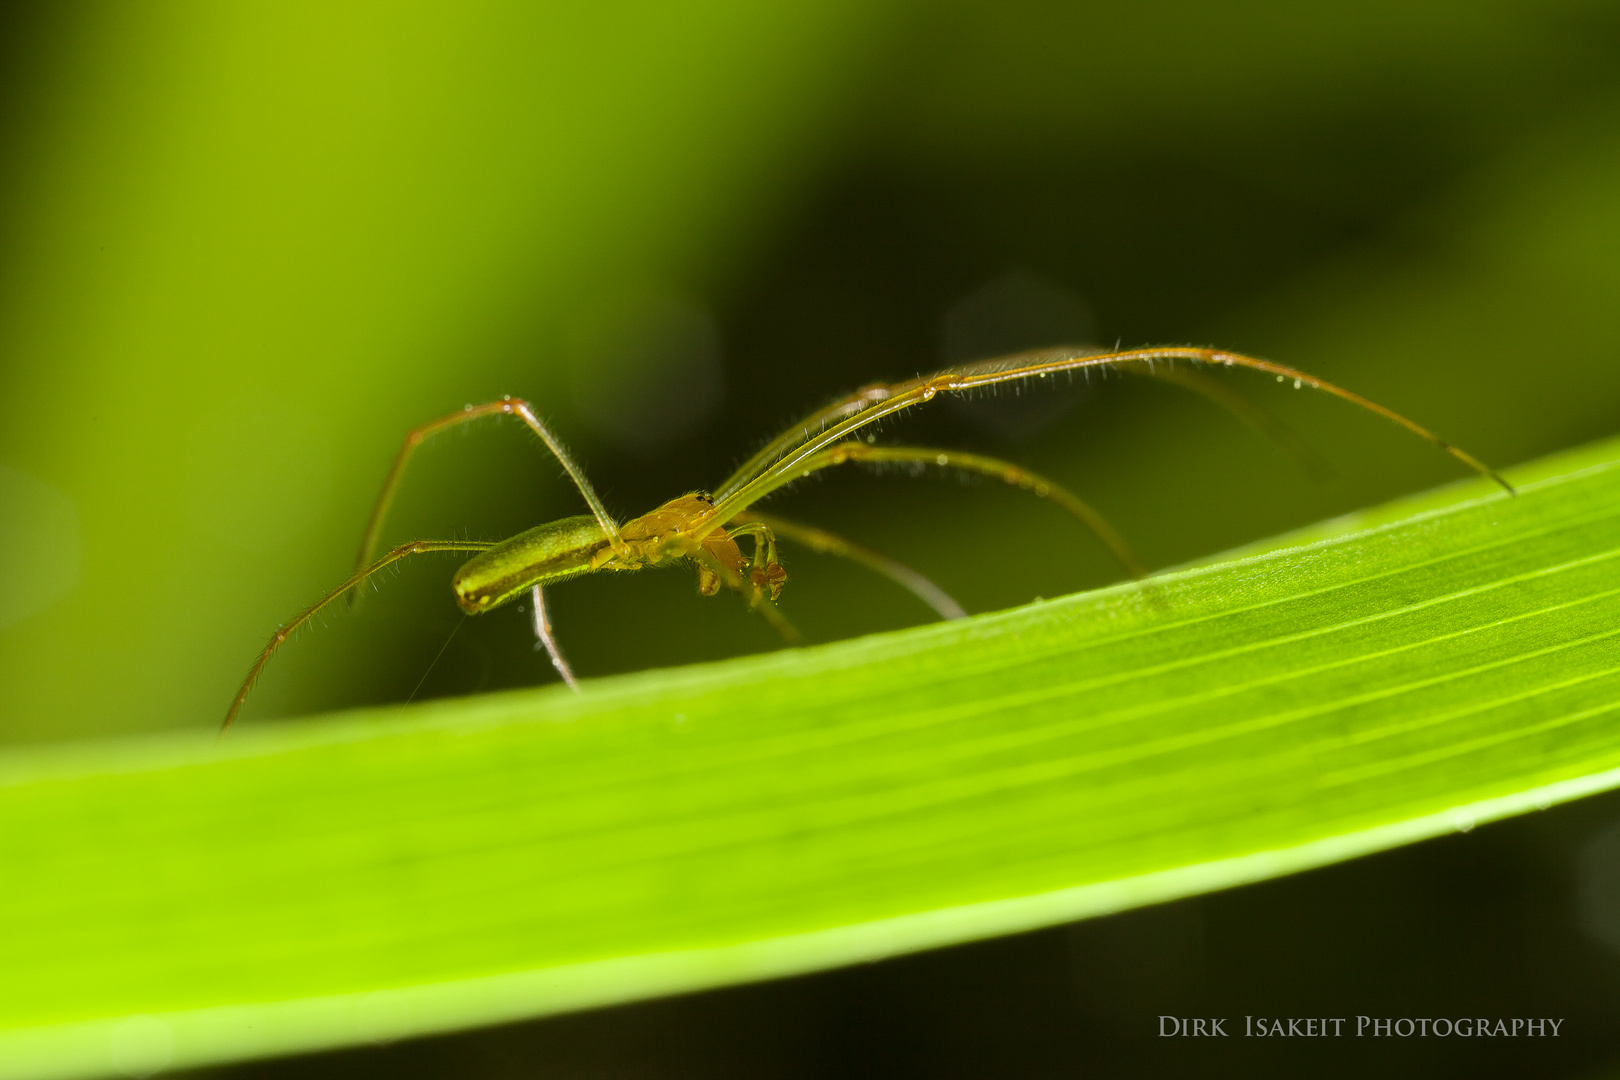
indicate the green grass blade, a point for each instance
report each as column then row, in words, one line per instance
column 174, row 900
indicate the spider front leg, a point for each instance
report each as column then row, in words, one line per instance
column 1006, row 471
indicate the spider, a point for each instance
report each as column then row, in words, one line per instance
column 703, row 528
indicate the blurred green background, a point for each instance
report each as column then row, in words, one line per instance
column 243, row 248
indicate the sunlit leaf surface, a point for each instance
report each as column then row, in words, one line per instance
column 175, row 901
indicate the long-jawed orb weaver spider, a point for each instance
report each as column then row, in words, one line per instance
column 704, row 528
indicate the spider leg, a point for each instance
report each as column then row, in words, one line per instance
column 506, row 406
column 793, row 450
column 779, row 622
column 1005, row 471
column 415, row 547
column 817, row 421
column 757, row 596
column 832, row 544
column 544, row 637
column 1246, row 409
